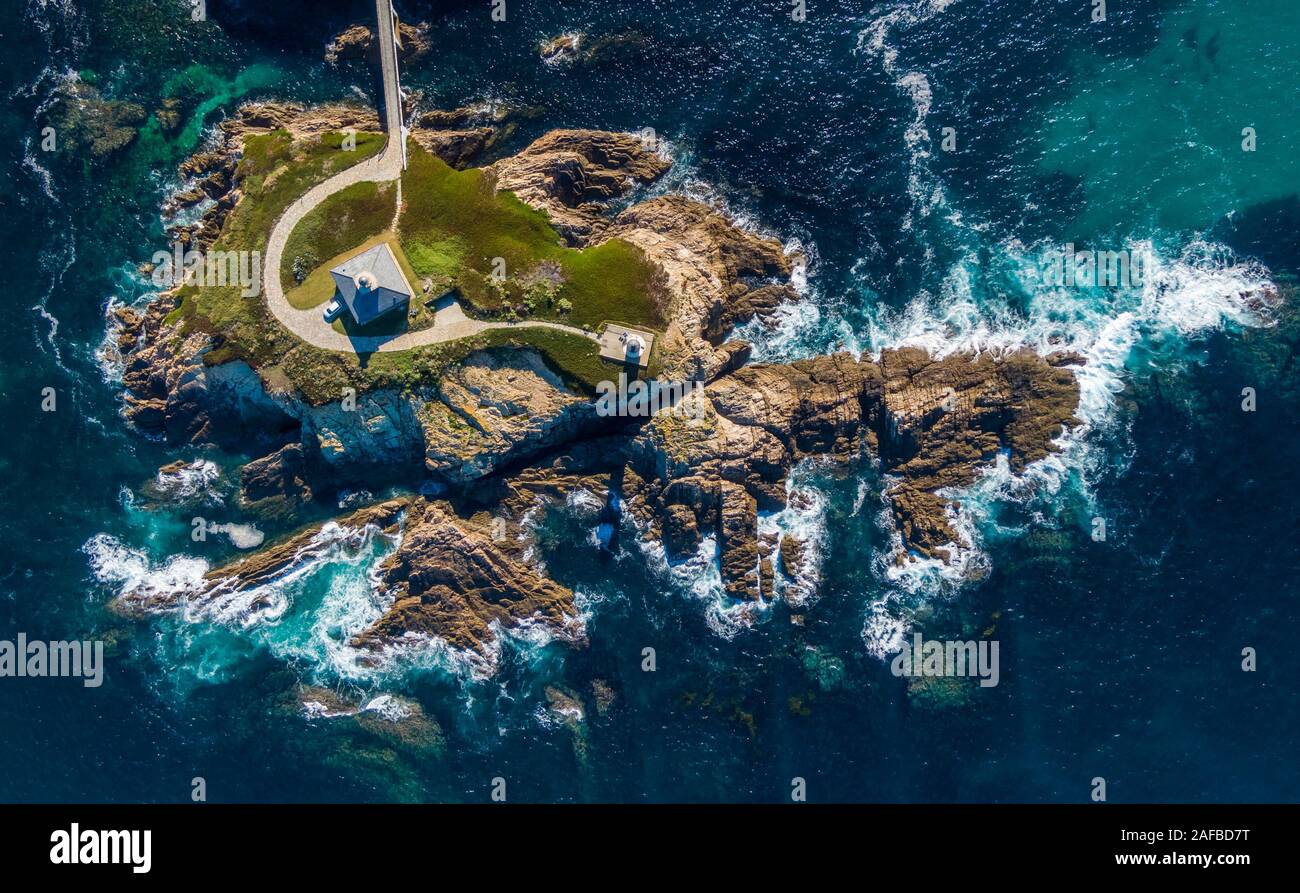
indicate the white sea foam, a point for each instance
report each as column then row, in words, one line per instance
column 242, row 536
column 388, row 707
column 131, row 570
column 699, row 576
column 803, row 519
column 197, row 479
column 925, row 190
column 317, row 710
column 874, row 40
column 39, row 172
column 1202, row 289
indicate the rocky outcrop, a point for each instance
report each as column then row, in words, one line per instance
column 449, row 579
column 461, row 135
column 729, row 458
column 358, row 42
column 169, row 115
column 718, row 276
column 933, row 423
column 571, row 174
column 282, row 478
column 172, row 391
column 301, row 121
column 371, row 436
column 496, row 407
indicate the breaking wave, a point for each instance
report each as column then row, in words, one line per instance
column 1204, row 288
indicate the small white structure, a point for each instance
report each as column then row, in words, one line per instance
column 372, row 284
column 624, row 345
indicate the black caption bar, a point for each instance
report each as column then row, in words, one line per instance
column 221, row 842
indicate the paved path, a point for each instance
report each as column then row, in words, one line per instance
column 450, row 321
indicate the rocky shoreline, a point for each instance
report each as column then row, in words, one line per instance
column 499, row 433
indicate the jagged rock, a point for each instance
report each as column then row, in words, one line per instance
column 380, row 437
column 354, row 42
column 281, row 474
column 714, row 274
column 737, row 541
column 458, row 136
column 456, row 147
column 299, row 120
column 946, row 418
column 358, row 42
column 934, row 423
column 681, row 531
column 251, row 573
column 569, row 173
column 498, row 406
column 172, row 391
column 129, row 324
column 169, row 115
column 717, row 276
column 792, row 552
column 576, row 48
column 452, row 581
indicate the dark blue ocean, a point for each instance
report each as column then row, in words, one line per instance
column 1121, row 658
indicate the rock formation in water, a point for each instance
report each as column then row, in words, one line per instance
column 358, row 42
column 502, row 434
column 85, row 123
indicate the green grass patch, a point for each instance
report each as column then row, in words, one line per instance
column 340, row 223
column 455, row 224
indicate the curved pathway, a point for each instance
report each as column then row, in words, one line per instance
column 450, row 321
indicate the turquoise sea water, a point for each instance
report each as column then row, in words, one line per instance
column 1119, row 658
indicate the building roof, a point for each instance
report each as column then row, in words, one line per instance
column 621, row 343
column 372, row 283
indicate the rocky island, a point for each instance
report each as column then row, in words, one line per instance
column 503, row 422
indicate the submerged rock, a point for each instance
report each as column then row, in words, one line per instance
column 561, row 49
column 576, row 48
column 87, row 123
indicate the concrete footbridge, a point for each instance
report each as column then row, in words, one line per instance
column 450, row 321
